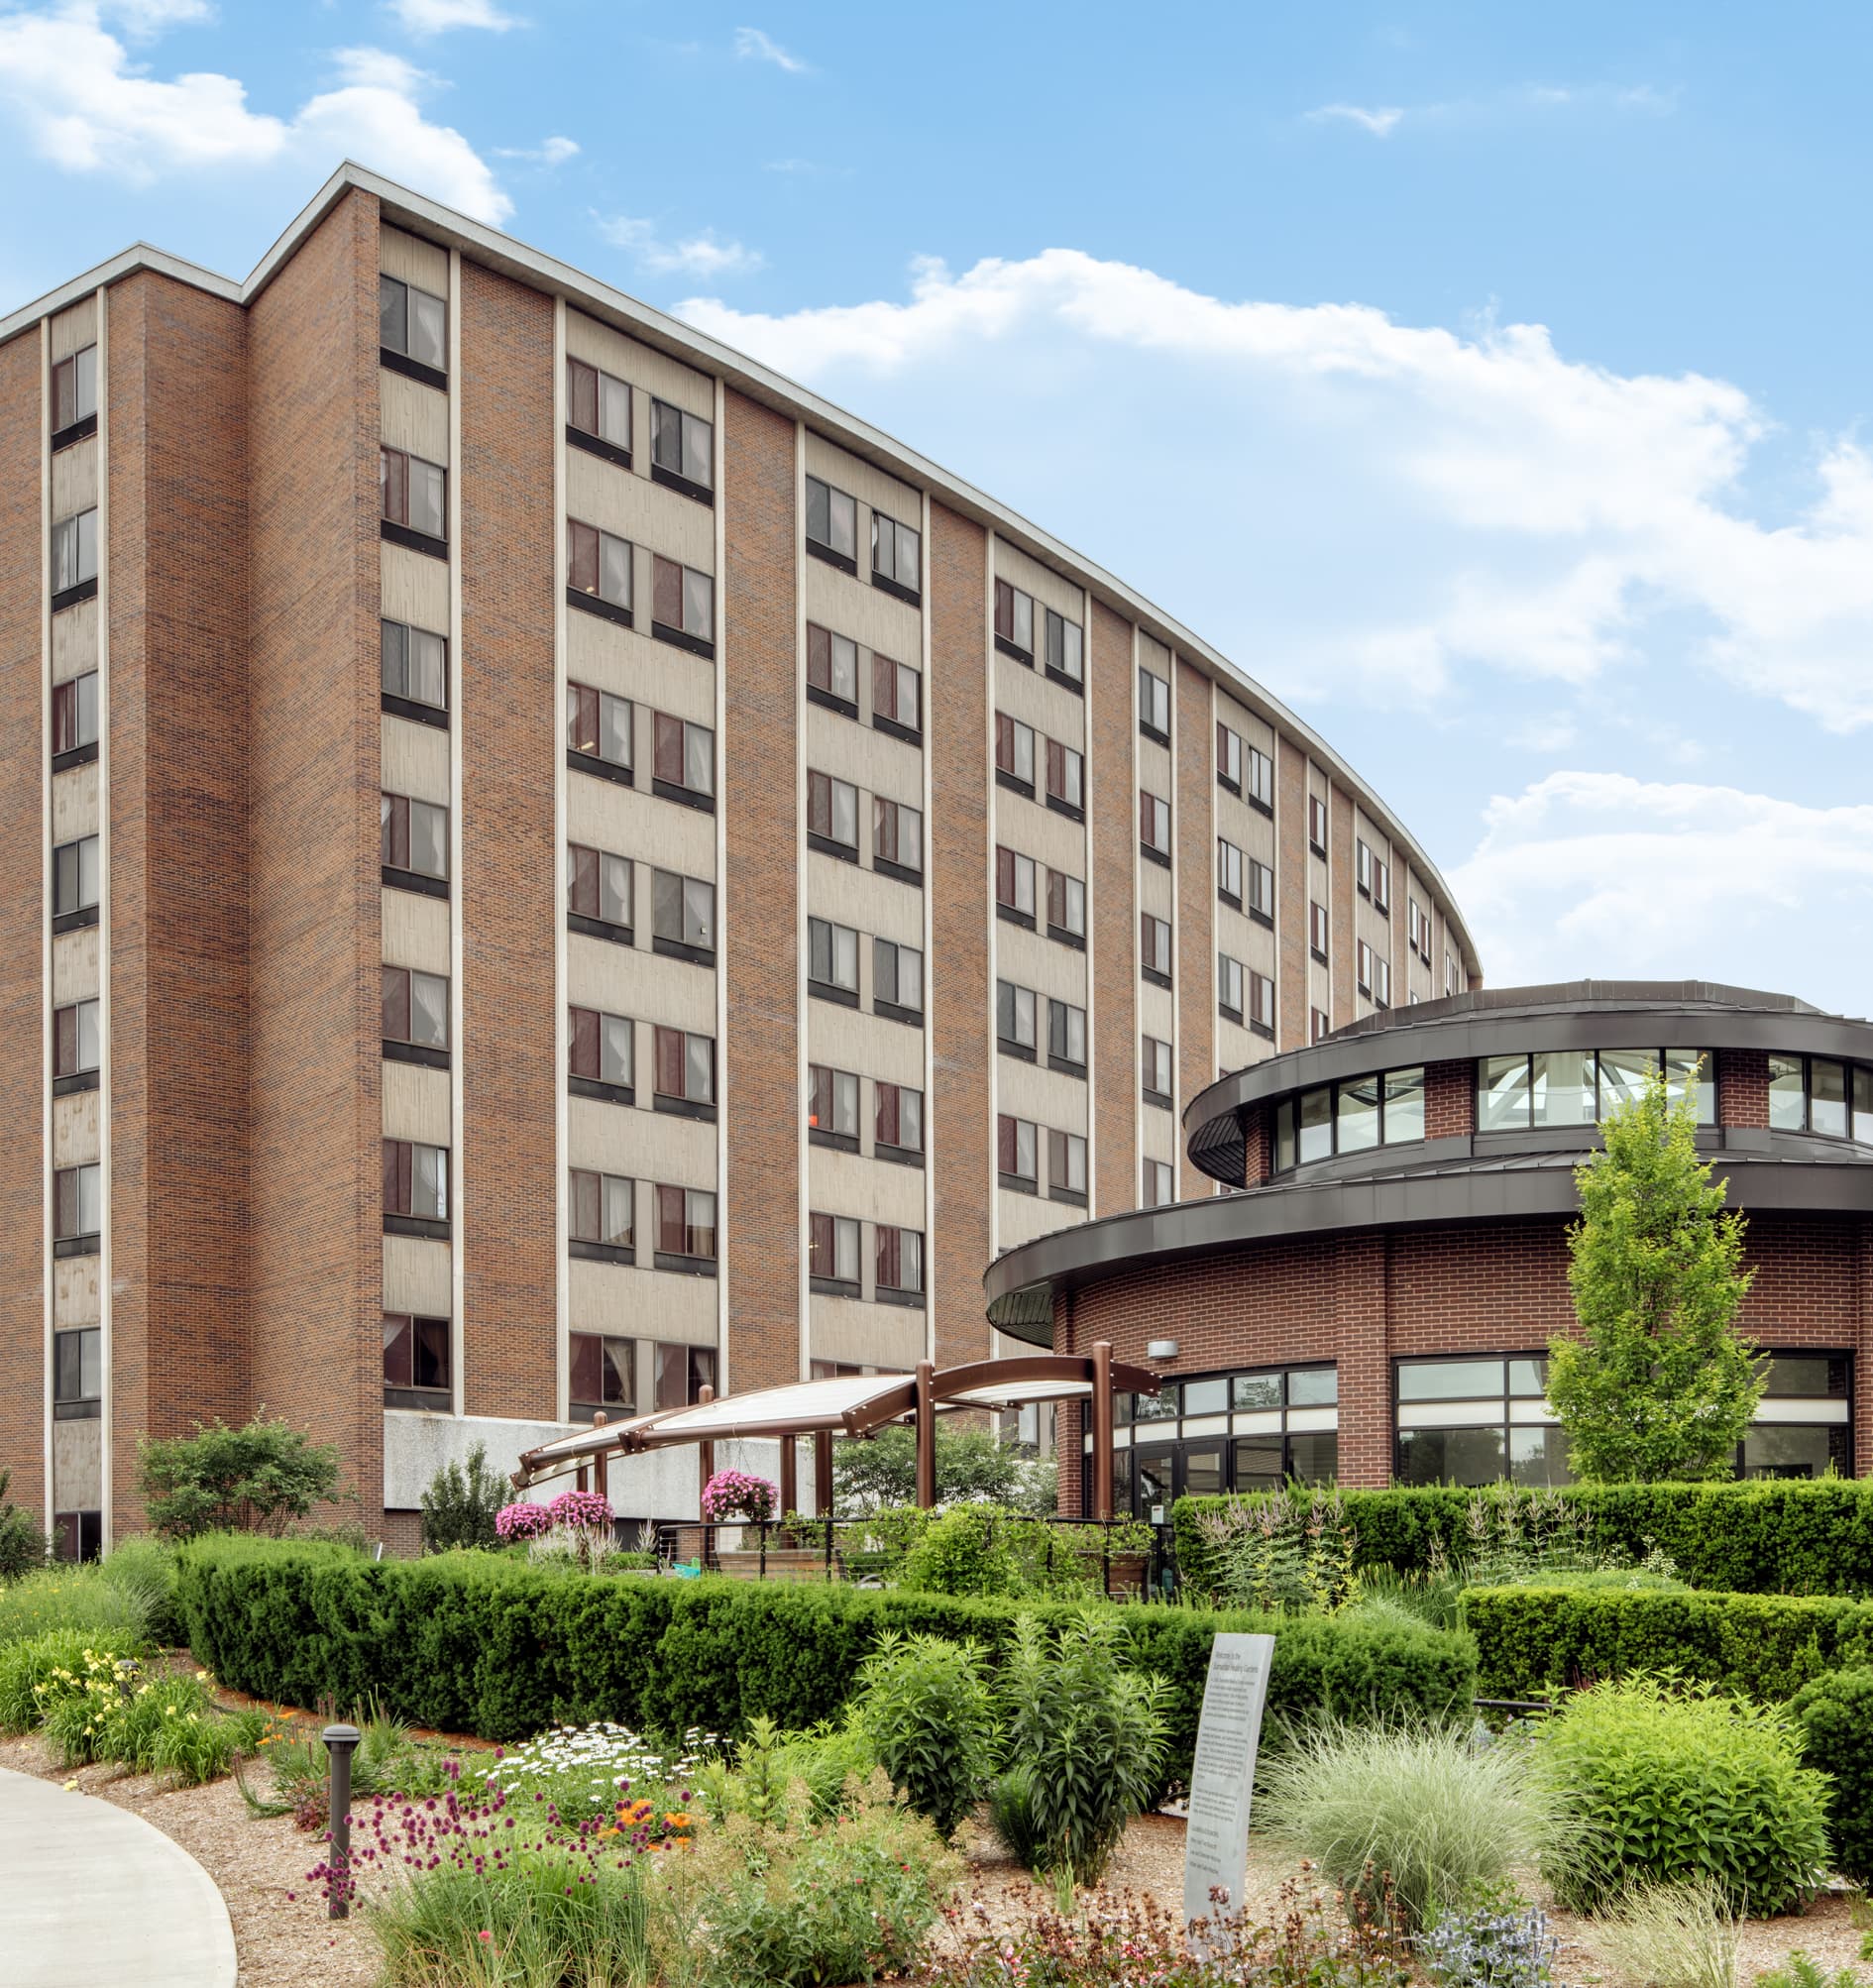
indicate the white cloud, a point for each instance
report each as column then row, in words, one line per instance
column 437, row 17
column 699, row 256
column 1365, row 506
column 549, row 152
column 140, row 19
column 751, row 45
column 1381, row 123
column 88, row 109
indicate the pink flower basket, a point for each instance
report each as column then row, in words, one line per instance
column 514, row 1524
column 577, row 1509
column 736, row 1495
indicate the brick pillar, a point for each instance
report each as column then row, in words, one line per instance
column 1193, row 821
column 1112, row 833
column 1450, row 1099
column 1340, row 901
column 1742, row 1087
column 1291, row 888
column 1362, row 1335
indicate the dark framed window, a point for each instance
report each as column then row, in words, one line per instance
column 1067, row 1168
column 896, row 838
column 1803, row 1425
column 898, row 1122
column 686, row 1227
column 415, row 1182
column 1259, row 792
column 1816, row 1094
column 598, row 412
column 1228, row 872
column 413, row 843
column 682, row 1372
column 833, row 961
column 1260, row 879
column 684, row 762
column 599, row 571
column 1067, row 1038
column 1154, row 706
column 1568, row 1087
column 1158, row 1185
column 1066, row 651
column 832, row 1107
column 897, row 980
column 1016, row 1154
column 1317, row 930
column 833, row 1253
column 415, row 673
column 1317, row 825
column 683, row 909
column 600, row 730
column 832, row 670
column 896, row 697
column 1015, row 1020
column 601, row 1055
column 601, row 1375
column 1153, row 826
column 417, row 1015
column 1228, row 987
column 77, row 1535
column 1066, row 907
column 413, row 500
column 1066, row 780
column 682, row 606
column 1261, row 1005
column 1014, row 754
column 75, row 883
column 1287, row 1426
column 1363, row 958
column 832, row 816
column 683, row 451
column 1474, row 1419
column 77, row 1375
column 75, row 397
column 1227, row 757
column 1014, row 886
column 601, row 1215
column 1155, row 1064
column 831, row 525
column 77, row 1040
column 1386, row 1108
column 416, row 1361
column 896, row 557
column 1373, row 875
column 598, row 893
column 898, row 1262
column 1014, row 621
column 1319, row 1025
column 412, row 326
column 74, row 559
column 74, row 722
column 1154, row 948
column 685, row 1072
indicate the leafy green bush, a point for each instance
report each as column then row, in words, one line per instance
column 1834, row 1716
column 1531, row 1638
column 1665, row 1784
column 1803, row 1970
column 960, row 1553
column 1417, row 1802
column 1290, row 1550
column 142, row 1568
column 461, row 1501
column 34, row 1671
column 973, row 1467
column 86, row 1599
column 923, row 1703
column 253, row 1478
column 23, row 1546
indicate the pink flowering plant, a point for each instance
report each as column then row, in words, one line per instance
column 736, row 1495
column 579, row 1510
column 516, row 1523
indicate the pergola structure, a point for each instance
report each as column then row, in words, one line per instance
column 857, row 1405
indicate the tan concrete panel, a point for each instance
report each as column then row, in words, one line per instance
column 625, row 358
column 632, row 821
column 873, row 488
column 75, row 966
column 871, row 760
column 414, row 588
column 1248, row 827
column 1156, row 1012
column 415, row 932
column 629, row 664
column 873, row 1190
column 874, row 619
column 74, row 478
column 1153, row 767
column 416, row 1276
column 843, row 1039
column 640, row 1143
column 615, row 500
column 412, row 416
column 407, row 256
column 1034, row 698
column 866, row 1335
column 75, row 641
column 632, row 980
column 75, row 1130
column 75, row 803
column 1049, row 589
column 1044, row 834
column 414, row 759
column 75, row 328
column 1050, row 1098
column 1022, row 1217
column 1250, row 727
column 872, row 905
column 1153, row 655
column 415, row 1104
column 1032, row 959
column 77, row 1466
column 1155, row 893
column 74, row 1292
column 644, row 1303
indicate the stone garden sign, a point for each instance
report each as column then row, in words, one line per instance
column 1216, row 1840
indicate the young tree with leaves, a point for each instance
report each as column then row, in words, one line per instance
column 1660, row 1383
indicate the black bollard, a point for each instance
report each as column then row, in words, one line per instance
column 339, row 1742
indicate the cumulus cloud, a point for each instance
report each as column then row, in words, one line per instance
column 437, row 17
column 697, row 256
column 1381, row 123
column 1360, row 504
column 88, row 109
column 549, row 152
column 752, row 46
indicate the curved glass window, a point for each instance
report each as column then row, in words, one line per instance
column 1816, row 1094
column 1564, row 1087
column 1384, row 1109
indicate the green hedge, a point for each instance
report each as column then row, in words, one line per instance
column 475, row 1643
column 1760, row 1537
column 1530, row 1639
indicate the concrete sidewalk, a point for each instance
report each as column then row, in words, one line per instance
column 94, row 1893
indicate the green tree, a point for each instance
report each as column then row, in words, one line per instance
column 460, row 1504
column 1659, row 1384
column 251, row 1479
column 22, row 1544
column 973, row 1468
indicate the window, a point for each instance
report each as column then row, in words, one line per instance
column 1816, row 1094
column 832, row 1107
column 1418, row 929
column 899, row 1123
column 683, row 915
column 1229, row 975
column 1384, row 1109
column 412, row 838
column 1017, row 1141
column 1317, row 930
column 832, row 525
column 682, row 1372
column 898, row 1261
column 599, row 571
column 1381, row 981
column 897, row 980
column 1067, row 1037
column 682, row 449
column 412, row 325
column 1319, row 1025
column 1014, row 621
column 415, row 1180
column 75, row 884
column 598, row 412
column 896, row 838
column 1317, row 825
column 1154, row 948
column 1064, row 649
column 1155, row 1059
column 1154, row 706
column 831, row 669
column 1159, row 1188
column 683, row 761
column 413, row 499
column 415, row 1011
column 75, row 557
column 1228, row 872
column 416, row 1361
column 1015, row 1019
column 832, row 816
column 602, row 1377
column 1363, row 970
column 598, row 893
column 1476, row 1420
column 1261, row 781
column 895, row 553
column 682, row 606
column 1573, row 1087
column 686, row 1224
column 600, row 1209
column 601, row 1055
column 74, row 722
column 685, row 1072
column 1363, row 861
column 1066, row 907
column 598, row 729
column 1287, row 1426
column 1449, row 974
column 1381, row 885
column 1227, row 757
column 78, row 1210
column 75, row 1047
column 1261, row 1005
column 1066, row 779
column 74, row 395
column 1261, row 906
column 1014, row 886
column 832, row 1253
column 414, row 679
column 833, row 961
column 77, row 1373
column 1067, row 1168
column 1804, row 1426
column 896, row 697
column 1153, row 826
column 1014, row 753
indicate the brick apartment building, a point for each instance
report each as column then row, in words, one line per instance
column 569, row 869
column 1376, row 1296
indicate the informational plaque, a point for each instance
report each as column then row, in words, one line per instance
column 1216, row 1838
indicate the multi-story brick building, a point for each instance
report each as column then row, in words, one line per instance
column 1377, row 1294
column 552, row 868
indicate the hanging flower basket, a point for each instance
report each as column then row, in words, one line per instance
column 736, row 1495
column 514, row 1524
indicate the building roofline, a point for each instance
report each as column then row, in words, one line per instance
column 670, row 335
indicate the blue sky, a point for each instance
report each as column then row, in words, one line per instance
column 1489, row 382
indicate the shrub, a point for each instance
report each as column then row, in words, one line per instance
column 251, row 1478
column 924, row 1704
column 461, row 1503
column 86, row 1598
column 34, row 1671
column 1413, row 1802
column 960, row 1553
column 1674, row 1935
column 1089, row 1734
column 23, row 1546
column 142, row 1569
column 1292, row 1549
column 1666, row 1784
column 1834, row 1718
column 1495, row 1941
column 973, row 1467
column 1803, row 1970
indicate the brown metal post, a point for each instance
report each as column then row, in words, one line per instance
column 789, row 1477
column 822, row 1471
column 602, row 1463
column 704, row 1452
column 1102, row 1430
column 925, row 1435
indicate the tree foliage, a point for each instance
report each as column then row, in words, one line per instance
column 254, row 1478
column 462, row 1502
column 22, row 1544
column 973, row 1468
column 1659, row 1384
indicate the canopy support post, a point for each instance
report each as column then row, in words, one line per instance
column 822, row 1471
column 1102, row 1430
column 789, row 1475
column 704, row 1452
column 925, row 1435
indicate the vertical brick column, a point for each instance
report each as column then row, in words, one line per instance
column 1114, row 890
column 1450, row 1099
column 1742, row 1087
column 1863, row 1346
column 1290, row 884
column 506, row 897
column 1193, row 821
column 962, row 1139
column 23, row 931
column 1362, row 1336
column 1257, row 1160
column 315, row 1242
column 1340, row 921
column 763, row 928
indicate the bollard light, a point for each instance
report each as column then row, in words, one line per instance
column 340, row 1742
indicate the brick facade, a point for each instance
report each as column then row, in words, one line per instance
column 1111, row 830
column 1292, row 897
column 1193, row 823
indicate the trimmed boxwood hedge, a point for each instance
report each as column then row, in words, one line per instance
column 476, row 1644
column 1758, row 1537
column 1530, row 1639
